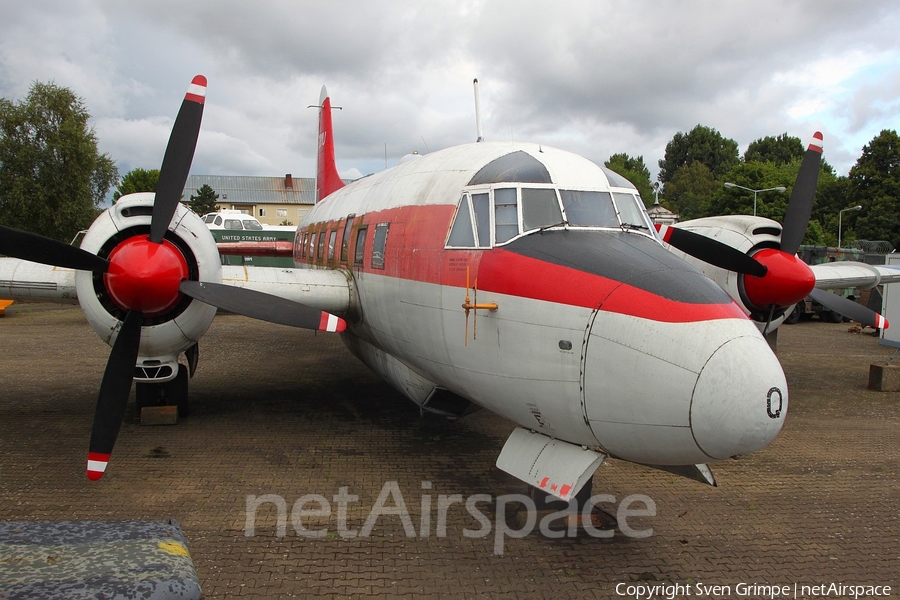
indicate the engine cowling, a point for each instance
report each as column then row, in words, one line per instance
column 748, row 234
column 176, row 325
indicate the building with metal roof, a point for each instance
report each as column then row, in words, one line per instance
column 272, row 200
column 660, row 215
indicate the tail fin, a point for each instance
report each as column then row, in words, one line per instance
column 327, row 178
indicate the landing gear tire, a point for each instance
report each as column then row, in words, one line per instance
column 793, row 317
column 834, row 317
column 171, row 393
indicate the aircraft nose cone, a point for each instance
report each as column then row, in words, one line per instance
column 740, row 400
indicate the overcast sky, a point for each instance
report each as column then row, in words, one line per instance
column 595, row 77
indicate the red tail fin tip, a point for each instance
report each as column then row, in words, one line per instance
column 327, row 178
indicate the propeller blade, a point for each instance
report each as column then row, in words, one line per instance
column 113, row 397
column 711, row 251
column 264, row 307
column 177, row 162
column 849, row 308
column 796, row 219
column 47, row 251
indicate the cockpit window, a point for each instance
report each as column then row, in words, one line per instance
column 589, row 209
column 482, row 205
column 515, row 167
column 465, row 231
column 629, row 213
column 540, row 208
column 252, row 226
column 233, row 224
column 506, row 214
column 461, row 234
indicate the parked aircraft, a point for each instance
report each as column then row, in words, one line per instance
column 755, row 259
column 511, row 276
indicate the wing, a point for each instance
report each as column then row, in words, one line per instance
column 327, row 290
column 844, row 274
column 25, row 280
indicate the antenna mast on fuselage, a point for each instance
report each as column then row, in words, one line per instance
column 479, row 132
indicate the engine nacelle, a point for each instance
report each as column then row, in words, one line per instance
column 166, row 335
column 746, row 233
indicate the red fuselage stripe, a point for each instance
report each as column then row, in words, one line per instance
column 415, row 251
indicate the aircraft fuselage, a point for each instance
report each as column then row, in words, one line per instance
column 600, row 336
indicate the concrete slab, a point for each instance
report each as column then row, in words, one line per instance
column 281, row 416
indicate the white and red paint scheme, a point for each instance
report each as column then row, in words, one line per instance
column 600, row 337
column 583, row 328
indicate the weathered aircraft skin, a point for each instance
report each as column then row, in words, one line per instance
column 601, row 337
column 515, row 277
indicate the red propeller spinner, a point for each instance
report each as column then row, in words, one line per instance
column 144, row 276
column 787, row 281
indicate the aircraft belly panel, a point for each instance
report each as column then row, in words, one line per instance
column 650, row 444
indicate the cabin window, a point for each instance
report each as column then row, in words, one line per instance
column 252, row 226
column 540, row 208
column 332, row 238
column 233, row 224
column 312, row 245
column 360, row 247
column 589, row 209
column 461, row 233
column 299, row 245
column 320, row 253
column 304, row 245
column 378, row 244
column 345, row 239
column 506, row 215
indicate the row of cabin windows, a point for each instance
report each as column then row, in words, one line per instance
column 313, row 245
column 506, row 212
column 280, row 212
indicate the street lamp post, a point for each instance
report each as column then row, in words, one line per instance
column 780, row 189
column 841, row 214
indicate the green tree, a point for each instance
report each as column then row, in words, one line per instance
column 874, row 183
column 137, row 180
column 832, row 195
column 634, row 170
column 779, row 150
column 703, row 144
column 690, row 191
column 758, row 176
column 815, row 235
column 52, row 177
column 204, row 201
